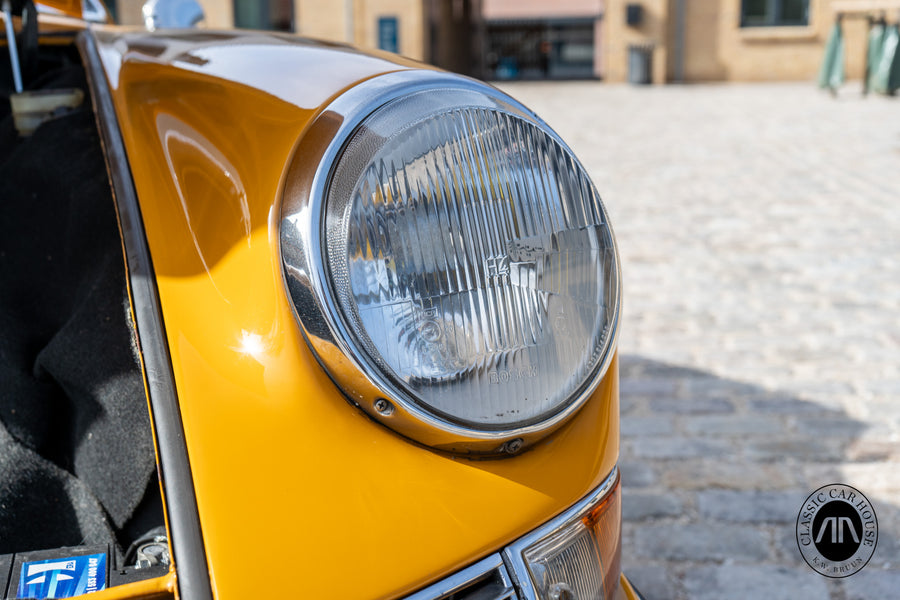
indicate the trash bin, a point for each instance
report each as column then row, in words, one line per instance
column 640, row 63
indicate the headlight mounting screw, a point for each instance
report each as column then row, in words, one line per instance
column 513, row 446
column 384, row 407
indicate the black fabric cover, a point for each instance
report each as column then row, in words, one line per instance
column 76, row 453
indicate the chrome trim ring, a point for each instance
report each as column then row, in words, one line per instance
column 303, row 247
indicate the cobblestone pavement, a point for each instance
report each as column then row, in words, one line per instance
column 759, row 227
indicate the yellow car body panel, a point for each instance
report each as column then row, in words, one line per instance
column 299, row 493
column 69, row 8
column 626, row 590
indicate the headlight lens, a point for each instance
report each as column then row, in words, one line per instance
column 462, row 262
column 472, row 259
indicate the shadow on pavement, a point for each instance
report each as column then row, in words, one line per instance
column 714, row 474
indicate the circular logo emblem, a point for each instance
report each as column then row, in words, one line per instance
column 837, row 530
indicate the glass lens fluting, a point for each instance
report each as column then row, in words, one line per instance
column 472, row 259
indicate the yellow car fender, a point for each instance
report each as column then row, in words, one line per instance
column 298, row 492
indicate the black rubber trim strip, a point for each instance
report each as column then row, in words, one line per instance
column 188, row 552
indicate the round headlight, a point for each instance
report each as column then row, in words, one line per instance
column 456, row 255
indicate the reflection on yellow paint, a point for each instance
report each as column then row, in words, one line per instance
column 251, row 344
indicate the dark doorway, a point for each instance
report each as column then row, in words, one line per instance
column 540, row 49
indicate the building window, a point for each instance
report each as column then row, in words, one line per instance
column 388, row 34
column 774, row 13
column 275, row 15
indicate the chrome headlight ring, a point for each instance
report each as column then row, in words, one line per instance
column 326, row 273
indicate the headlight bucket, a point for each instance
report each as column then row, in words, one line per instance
column 431, row 283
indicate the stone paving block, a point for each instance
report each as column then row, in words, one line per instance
column 814, row 450
column 870, row 584
column 785, row 536
column 629, row 555
column 703, row 541
column 863, row 451
column 691, row 406
column 706, row 387
column 839, row 426
column 652, row 581
column 880, row 481
column 750, row 506
column 636, row 474
column 630, row 386
column 887, row 551
column 629, row 405
column 678, row 447
column 714, row 473
column 639, row 426
column 744, row 582
column 637, row 506
column 732, row 425
column 787, row 405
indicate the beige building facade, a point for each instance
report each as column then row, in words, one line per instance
column 670, row 40
column 725, row 40
column 373, row 24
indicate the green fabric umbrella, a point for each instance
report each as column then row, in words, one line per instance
column 886, row 74
column 876, row 44
column 831, row 75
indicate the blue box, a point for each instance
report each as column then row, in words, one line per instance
column 61, row 573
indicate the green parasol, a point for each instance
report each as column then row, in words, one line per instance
column 886, row 72
column 831, row 75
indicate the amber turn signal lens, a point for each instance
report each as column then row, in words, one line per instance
column 582, row 559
